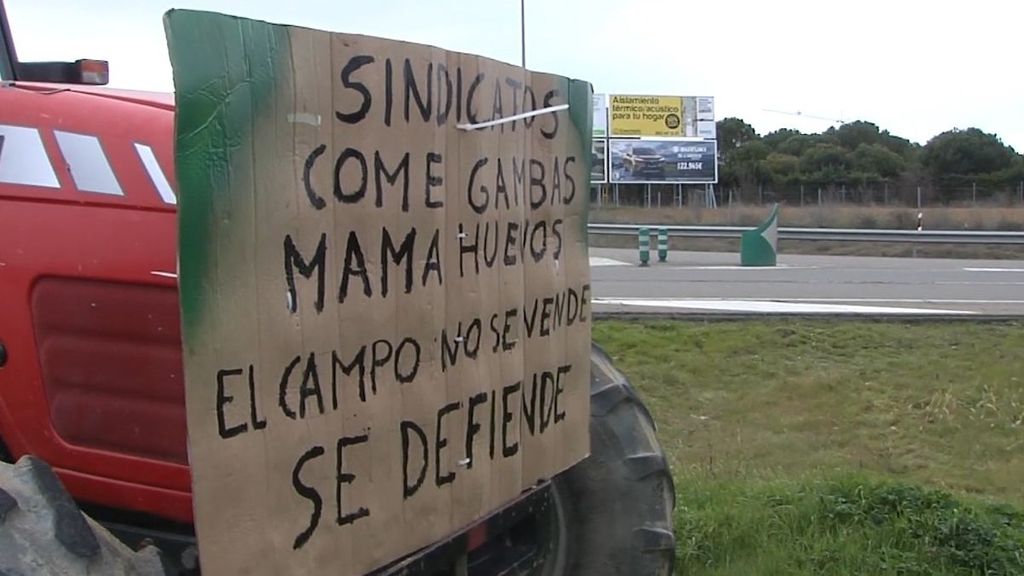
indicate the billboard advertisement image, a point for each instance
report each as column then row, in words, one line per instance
column 661, row 116
column 646, row 115
column 663, row 161
column 600, row 103
column 599, row 161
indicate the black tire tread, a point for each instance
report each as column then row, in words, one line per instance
column 621, row 499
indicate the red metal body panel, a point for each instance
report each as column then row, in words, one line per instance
column 75, row 390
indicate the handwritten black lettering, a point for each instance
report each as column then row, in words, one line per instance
column 496, row 107
column 559, row 390
column 545, row 316
column 556, row 183
column 435, row 180
column 519, row 181
column 440, row 441
column 473, row 86
column 548, row 102
column 411, row 89
column 223, row 399
column 556, row 231
column 347, row 478
column 444, row 79
column 471, row 344
column 355, row 265
column 433, row 259
column 389, row 252
column 573, row 306
column 500, row 187
column 530, row 321
column 547, row 399
column 506, row 343
column 389, row 94
column 381, row 353
column 535, row 251
column 508, row 450
column 472, row 426
column 309, row 493
column 465, row 247
column 354, row 64
column 293, row 259
column 381, row 170
column 413, row 367
column 528, row 412
column 358, row 361
column 315, row 200
column 406, row 427
column 478, row 203
column 537, row 183
column 511, row 241
column 339, row 165
column 310, row 387
column 257, row 422
column 282, row 398
column 570, row 182
column 490, row 247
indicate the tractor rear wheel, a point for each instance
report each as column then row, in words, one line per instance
column 612, row 512
column 43, row 533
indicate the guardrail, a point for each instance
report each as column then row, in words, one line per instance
column 827, row 234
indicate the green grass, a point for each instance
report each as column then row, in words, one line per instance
column 837, row 447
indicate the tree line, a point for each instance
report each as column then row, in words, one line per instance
column 861, row 157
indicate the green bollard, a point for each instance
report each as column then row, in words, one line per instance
column 662, row 244
column 760, row 246
column 645, row 246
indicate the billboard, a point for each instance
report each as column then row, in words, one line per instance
column 599, row 161
column 661, row 116
column 660, row 161
column 600, row 103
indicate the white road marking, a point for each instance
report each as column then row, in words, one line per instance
column 872, row 300
column 899, row 300
column 779, row 267
column 980, row 283
column 599, row 261
column 994, row 269
column 769, row 306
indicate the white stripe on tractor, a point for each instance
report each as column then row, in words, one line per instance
column 89, row 166
column 156, row 173
column 23, row 158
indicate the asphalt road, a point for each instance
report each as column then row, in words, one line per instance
column 702, row 282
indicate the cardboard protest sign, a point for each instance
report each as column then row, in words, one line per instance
column 386, row 315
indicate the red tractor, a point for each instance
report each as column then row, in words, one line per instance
column 92, row 407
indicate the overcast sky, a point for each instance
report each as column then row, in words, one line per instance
column 916, row 68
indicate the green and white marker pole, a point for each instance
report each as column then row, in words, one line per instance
column 759, row 247
column 662, row 244
column 645, row 246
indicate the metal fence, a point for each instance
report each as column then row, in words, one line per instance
column 881, row 194
column 826, row 234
